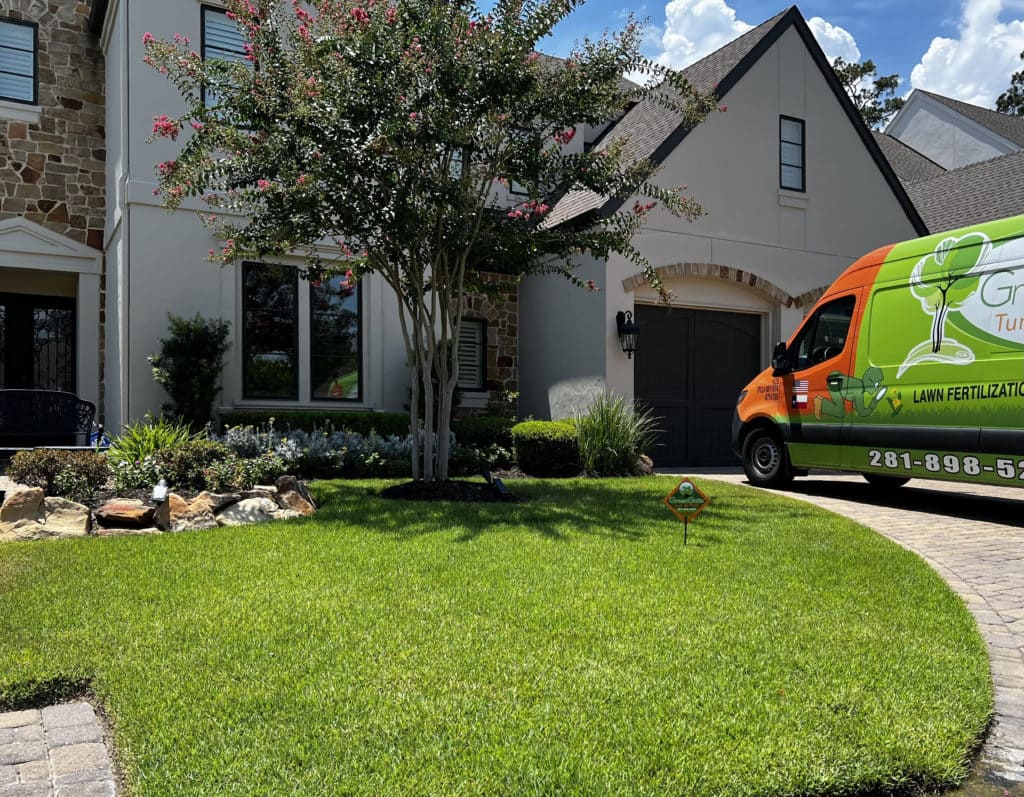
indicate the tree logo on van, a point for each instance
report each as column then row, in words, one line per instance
column 944, row 281
column 862, row 393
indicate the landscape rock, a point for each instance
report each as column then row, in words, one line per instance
column 248, row 510
column 215, row 501
column 290, row 484
column 54, row 517
column 64, row 518
column 125, row 513
column 644, row 465
column 189, row 515
column 294, row 502
column 21, row 504
column 260, row 491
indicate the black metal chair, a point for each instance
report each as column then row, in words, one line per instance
column 42, row 418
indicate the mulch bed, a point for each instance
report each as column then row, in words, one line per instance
column 447, row 491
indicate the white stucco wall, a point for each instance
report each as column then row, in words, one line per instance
column 156, row 261
column 945, row 136
column 798, row 241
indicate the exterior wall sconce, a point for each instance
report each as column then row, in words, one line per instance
column 628, row 332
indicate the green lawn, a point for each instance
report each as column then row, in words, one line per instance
column 569, row 644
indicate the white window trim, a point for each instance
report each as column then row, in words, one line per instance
column 20, row 112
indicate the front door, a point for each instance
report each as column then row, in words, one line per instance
column 690, row 367
column 37, row 342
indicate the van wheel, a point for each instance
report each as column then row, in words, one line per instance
column 765, row 460
column 882, row 482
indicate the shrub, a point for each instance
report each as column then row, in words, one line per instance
column 71, row 474
column 189, row 366
column 185, row 466
column 133, row 453
column 547, row 448
column 612, row 435
column 241, row 473
column 383, row 423
column 482, row 431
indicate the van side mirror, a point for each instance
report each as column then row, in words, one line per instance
column 780, row 359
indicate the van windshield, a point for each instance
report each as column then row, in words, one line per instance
column 824, row 335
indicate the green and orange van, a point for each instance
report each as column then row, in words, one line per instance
column 911, row 365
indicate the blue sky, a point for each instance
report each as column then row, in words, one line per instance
column 966, row 49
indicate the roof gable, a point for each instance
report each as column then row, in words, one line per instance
column 1009, row 127
column 653, row 132
column 909, row 164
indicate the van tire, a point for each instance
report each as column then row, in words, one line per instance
column 765, row 459
column 883, row 482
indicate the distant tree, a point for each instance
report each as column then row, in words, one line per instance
column 875, row 97
column 1011, row 101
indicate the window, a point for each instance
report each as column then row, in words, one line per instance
column 334, row 340
column 824, row 334
column 791, row 153
column 473, row 354
column 18, row 63
column 222, row 40
column 270, row 329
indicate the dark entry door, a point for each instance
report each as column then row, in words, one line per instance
column 690, row 366
column 37, row 342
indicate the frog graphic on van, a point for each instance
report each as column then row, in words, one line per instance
column 942, row 281
column 863, row 393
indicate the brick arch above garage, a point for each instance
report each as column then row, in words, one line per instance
column 713, row 271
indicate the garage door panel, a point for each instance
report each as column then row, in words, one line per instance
column 690, row 366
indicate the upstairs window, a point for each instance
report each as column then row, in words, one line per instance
column 222, row 41
column 18, row 62
column 473, row 354
column 791, row 153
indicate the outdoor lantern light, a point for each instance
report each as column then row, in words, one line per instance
column 159, row 492
column 628, row 332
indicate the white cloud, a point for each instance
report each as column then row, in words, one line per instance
column 976, row 67
column 835, row 41
column 695, row 28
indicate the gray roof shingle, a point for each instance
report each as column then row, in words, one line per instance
column 909, row 164
column 647, row 125
column 992, row 189
column 1009, row 127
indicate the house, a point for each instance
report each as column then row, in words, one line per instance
column 53, row 207
column 795, row 188
column 960, row 164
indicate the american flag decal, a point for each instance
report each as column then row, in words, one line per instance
column 800, row 389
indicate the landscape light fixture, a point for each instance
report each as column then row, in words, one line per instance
column 628, row 332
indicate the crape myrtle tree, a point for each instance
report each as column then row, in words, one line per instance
column 392, row 130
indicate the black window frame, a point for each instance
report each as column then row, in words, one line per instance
column 359, row 348
column 481, row 386
column 247, row 265
column 204, row 9
column 810, row 330
column 35, row 62
column 803, row 153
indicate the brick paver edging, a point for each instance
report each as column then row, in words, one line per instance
column 57, row 751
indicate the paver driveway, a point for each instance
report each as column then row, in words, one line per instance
column 974, row 537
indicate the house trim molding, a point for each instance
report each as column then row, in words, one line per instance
column 25, row 244
column 713, row 271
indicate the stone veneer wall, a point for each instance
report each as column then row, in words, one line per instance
column 53, row 173
column 500, row 308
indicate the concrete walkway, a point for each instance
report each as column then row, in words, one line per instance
column 54, row 752
column 974, row 537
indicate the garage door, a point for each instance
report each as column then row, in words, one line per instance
column 690, row 366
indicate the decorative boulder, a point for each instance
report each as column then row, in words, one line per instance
column 125, row 513
column 189, row 515
column 290, row 484
column 26, row 515
column 294, row 502
column 21, row 504
column 248, row 510
column 644, row 465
